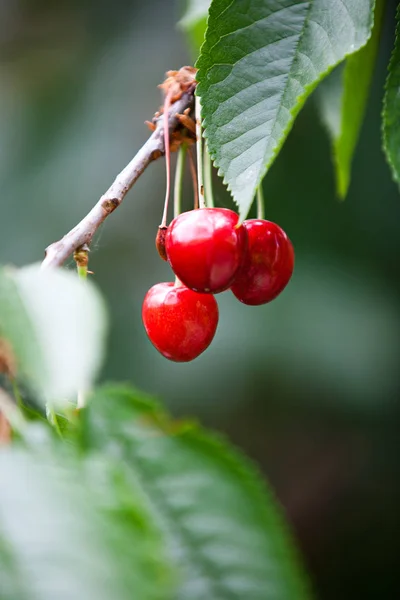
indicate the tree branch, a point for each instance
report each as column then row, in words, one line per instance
column 81, row 234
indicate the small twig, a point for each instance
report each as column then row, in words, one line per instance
column 57, row 253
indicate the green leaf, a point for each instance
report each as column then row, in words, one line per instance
column 257, row 66
column 55, row 326
column 194, row 23
column 343, row 99
column 63, row 540
column 391, row 108
column 223, row 527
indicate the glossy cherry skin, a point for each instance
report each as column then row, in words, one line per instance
column 268, row 263
column 180, row 323
column 205, row 248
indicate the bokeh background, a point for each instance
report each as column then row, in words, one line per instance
column 308, row 385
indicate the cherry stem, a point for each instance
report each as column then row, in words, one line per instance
column 208, row 186
column 82, row 272
column 81, row 257
column 167, row 104
column 193, row 173
column 200, row 185
column 177, row 282
column 260, row 203
column 179, row 172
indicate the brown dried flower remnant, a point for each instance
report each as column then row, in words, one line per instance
column 176, row 84
column 179, row 82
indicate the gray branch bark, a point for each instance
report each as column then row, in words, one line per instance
column 58, row 252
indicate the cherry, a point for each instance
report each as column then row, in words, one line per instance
column 205, row 248
column 268, row 263
column 180, row 323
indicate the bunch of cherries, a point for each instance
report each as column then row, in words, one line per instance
column 210, row 252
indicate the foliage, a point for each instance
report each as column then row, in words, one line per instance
column 256, row 69
column 391, row 109
column 124, row 501
column 259, row 62
column 163, row 503
column 55, row 325
column 220, row 522
column 62, row 539
column 344, row 100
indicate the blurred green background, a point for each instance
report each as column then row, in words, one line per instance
column 308, row 385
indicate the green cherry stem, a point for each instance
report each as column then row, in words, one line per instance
column 82, row 272
column 81, row 257
column 260, row 202
column 179, row 172
column 193, row 173
column 208, row 186
column 200, row 184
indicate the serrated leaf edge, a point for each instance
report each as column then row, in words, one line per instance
column 342, row 187
column 300, row 101
column 245, row 469
column 396, row 46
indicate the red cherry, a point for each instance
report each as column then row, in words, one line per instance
column 268, row 263
column 205, row 248
column 180, row 323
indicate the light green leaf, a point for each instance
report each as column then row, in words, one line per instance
column 391, row 108
column 257, row 66
column 60, row 539
column 194, row 23
column 343, row 99
column 55, row 326
column 223, row 527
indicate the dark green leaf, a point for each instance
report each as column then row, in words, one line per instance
column 257, row 66
column 70, row 531
column 343, row 100
column 223, row 526
column 54, row 325
column 194, row 23
column 391, row 108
